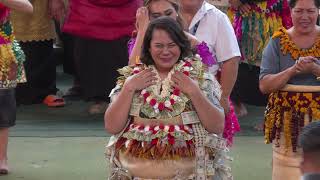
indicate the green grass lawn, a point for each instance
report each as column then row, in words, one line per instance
column 252, row 159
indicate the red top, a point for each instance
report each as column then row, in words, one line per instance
column 101, row 19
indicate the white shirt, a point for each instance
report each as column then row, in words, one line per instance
column 216, row 30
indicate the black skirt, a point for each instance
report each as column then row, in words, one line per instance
column 40, row 71
column 7, row 108
column 97, row 62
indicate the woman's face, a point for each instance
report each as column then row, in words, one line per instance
column 162, row 8
column 164, row 51
column 304, row 16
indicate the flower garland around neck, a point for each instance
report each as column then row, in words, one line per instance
column 287, row 46
column 162, row 99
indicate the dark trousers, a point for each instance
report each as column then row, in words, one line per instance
column 97, row 62
column 7, row 108
column 40, row 67
column 246, row 89
column 68, row 54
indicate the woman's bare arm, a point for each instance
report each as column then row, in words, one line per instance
column 19, row 5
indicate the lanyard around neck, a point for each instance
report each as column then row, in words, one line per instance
column 195, row 28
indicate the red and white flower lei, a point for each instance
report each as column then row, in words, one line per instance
column 169, row 95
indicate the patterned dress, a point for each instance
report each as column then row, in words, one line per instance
column 164, row 138
column 292, row 107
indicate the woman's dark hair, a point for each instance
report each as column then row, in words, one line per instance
column 175, row 32
column 292, row 3
column 309, row 139
column 174, row 4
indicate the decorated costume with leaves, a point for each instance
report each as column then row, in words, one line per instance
column 158, row 142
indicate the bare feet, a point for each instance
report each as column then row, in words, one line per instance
column 240, row 110
column 4, row 169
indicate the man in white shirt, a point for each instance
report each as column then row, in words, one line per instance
column 212, row 26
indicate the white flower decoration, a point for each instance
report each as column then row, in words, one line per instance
column 127, row 143
column 156, row 106
column 176, row 127
column 175, row 98
column 143, row 91
column 148, row 99
column 186, row 68
column 166, row 128
column 167, row 103
column 156, row 128
column 147, row 128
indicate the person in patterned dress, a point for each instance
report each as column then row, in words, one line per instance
column 11, row 73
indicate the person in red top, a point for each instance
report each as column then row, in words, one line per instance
column 100, row 45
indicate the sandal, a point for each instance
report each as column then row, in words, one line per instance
column 54, row 101
column 4, row 170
